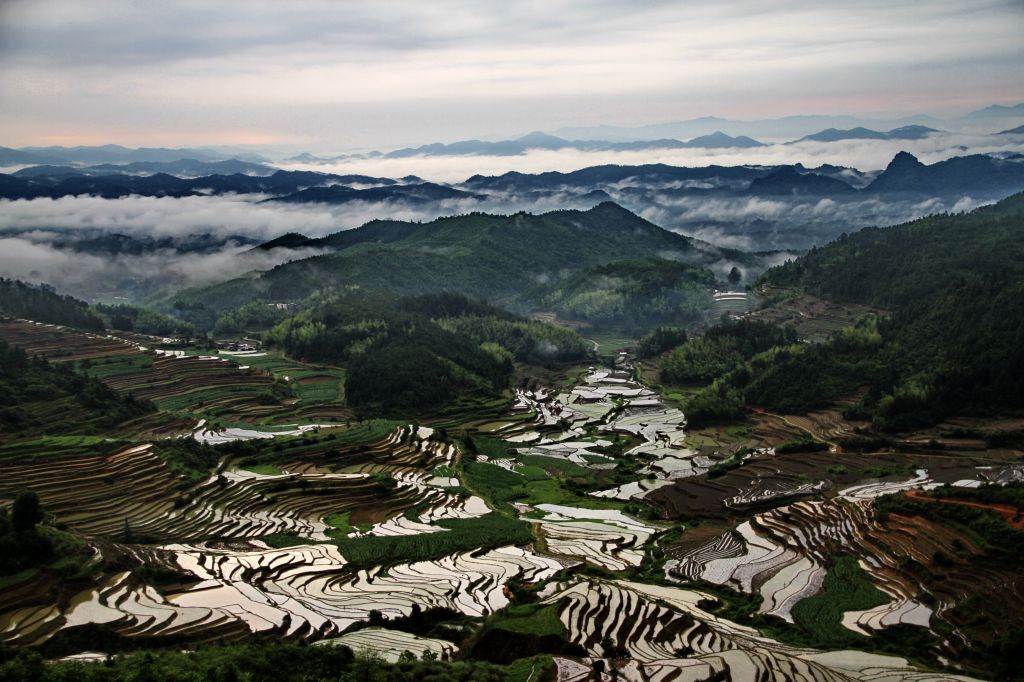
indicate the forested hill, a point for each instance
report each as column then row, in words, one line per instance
column 896, row 266
column 485, row 256
column 411, row 356
column 43, row 304
column 952, row 345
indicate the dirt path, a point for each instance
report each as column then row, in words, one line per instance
column 1008, row 512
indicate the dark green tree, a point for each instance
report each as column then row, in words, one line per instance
column 26, row 512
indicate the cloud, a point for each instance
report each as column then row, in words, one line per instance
column 130, row 276
column 218, row 215
column 862, row 154
column 368, row 73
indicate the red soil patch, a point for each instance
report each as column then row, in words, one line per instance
column 1008, row 512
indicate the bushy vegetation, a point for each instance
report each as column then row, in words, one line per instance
column 41, row 397
column 659, row 340
column 530, row 342
column 498, row 258
column 724, row 347
column 460, row 535
column 258, row 661
column 951, row 346
column 409, row 356
column 26, row 545
column 904, row 265
column 42, row 304
column 254, row 316
column 846, row 588
column 953, row 343
column 631, row 294
column 131, row 318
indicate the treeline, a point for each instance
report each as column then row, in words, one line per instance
column 256, row 316
column 903, row 265
column 659, row 340
column 55, row 398
column 721, row 349
column 42, row 304
column 959, row 353
column 411, row 355
column 131, row 318
column 631, row 294
column 261, row 661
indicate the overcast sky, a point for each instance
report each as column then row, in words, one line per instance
column 347, row 75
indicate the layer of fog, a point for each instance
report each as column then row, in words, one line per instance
column 762, row 224
column 244, row 215
column 38, row 237
column 131, row 277
column 861, row 154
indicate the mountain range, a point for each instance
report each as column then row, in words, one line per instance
column 979, row 173
column 113, row 153
column 909, row 132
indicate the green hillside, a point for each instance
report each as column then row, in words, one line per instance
column 497, row 258
column 899, row 266
column 406, row 357
column 634, row 294
column 952, row 345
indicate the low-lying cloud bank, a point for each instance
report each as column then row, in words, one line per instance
column 191, row 241
column 862, row 154
column 128, row 277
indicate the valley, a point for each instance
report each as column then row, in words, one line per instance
column 577, row 520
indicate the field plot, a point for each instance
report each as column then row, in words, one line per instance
column 766, row 479
column 665, row 634
column 916, row 565
column 604, row 537
column 318, row 389
column 305, row 591
column 733, row 303
column 246, row 388
column 391, row 644
column 611, row 402
column 60, row 343
column 132, row 490
column 814, row 319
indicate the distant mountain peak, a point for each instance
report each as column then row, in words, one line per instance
column 539, row 138
column 718, row 139
column 904, row 160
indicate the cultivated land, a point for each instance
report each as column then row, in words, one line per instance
column 578, row 519
column 828, row 485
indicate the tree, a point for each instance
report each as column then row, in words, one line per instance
column 735, row 275
column 26, row 512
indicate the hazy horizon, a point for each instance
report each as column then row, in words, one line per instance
column 369, row 75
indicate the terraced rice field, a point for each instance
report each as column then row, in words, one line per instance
column 233, row 387
column 308, row 523
column 735, row 303
column 784, row 555
column 60, row 343
column 665, row 634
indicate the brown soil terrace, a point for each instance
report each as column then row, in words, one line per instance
column 1008, row 512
